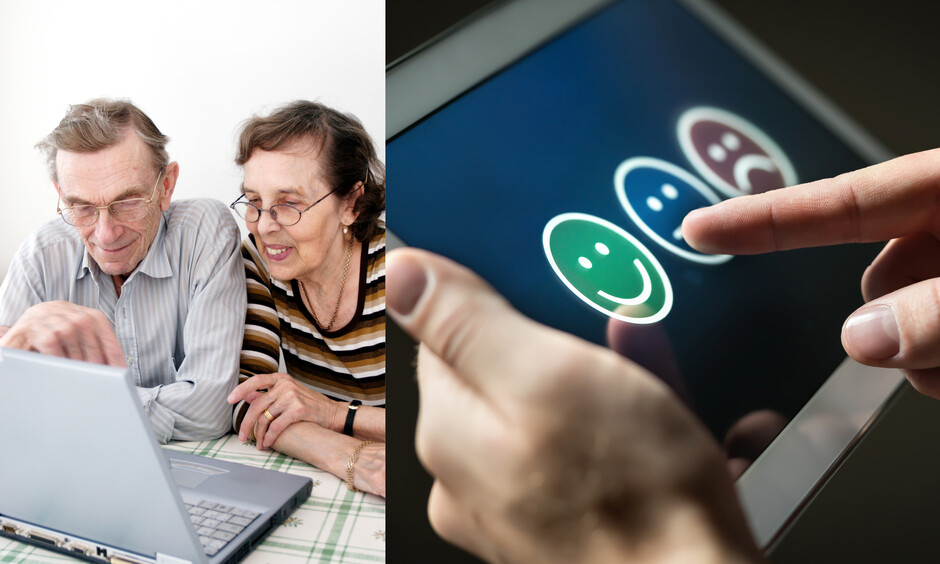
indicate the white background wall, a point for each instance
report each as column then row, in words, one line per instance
column 197, row 68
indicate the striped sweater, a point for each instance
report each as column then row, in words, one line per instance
column 345, row 364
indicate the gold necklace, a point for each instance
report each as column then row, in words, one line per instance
column 342, row 286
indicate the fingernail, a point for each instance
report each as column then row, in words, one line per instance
column 873, row 332
column 407, row 280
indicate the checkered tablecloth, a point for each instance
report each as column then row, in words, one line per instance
column 335, row 525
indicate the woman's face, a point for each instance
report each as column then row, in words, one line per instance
column 293, row 176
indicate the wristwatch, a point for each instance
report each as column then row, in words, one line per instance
column 350, row 416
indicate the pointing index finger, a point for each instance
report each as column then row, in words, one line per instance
column 884, row 201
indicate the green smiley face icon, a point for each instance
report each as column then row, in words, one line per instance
column 607, row 268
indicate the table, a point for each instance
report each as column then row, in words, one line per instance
column 334, row 526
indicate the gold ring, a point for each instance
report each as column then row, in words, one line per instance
column 268, row 415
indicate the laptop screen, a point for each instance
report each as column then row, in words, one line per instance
column 101, row 487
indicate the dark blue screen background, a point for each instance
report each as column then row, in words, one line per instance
column 478, row 180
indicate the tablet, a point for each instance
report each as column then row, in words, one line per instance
column 554, row 148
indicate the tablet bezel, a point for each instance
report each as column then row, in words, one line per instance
column 786, row 475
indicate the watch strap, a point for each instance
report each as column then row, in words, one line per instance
column 351, row 416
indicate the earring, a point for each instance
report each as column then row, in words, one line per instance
column 345, row 230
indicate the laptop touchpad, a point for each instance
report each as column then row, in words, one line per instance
column 190, row 474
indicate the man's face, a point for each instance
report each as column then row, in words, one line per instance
column 120, row 172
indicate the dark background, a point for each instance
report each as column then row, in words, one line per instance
column 879, row 62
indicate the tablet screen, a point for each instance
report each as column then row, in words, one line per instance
column 563, row 178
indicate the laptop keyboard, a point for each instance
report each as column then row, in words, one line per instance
column 217, row 524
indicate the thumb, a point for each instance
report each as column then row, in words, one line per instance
column 898, row 330
column 464, row 322
column 113, row 353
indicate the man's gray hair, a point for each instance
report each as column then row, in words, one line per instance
column 99, row 124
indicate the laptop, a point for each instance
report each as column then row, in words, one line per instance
column 82, row 474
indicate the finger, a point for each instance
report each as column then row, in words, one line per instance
column 71, row 341
column 91, row 348
column 750, row 435
column 253, row 415
column 459, row 437
column 282, row 420
column 253, row 384
column 14, row 339
column 884, row 201
column 261, row 425
column 898, row 330
column 85, row 334
column 650, row 347
column 246, row 429
column 102, row 345
column 113, row 352
column 464, row 322
column 48, row 342
column 925, row 381
column 252, row 396
column 267, row 417
column 902, row 262
column 452, row 521
column 106, row 341
column 261, row 428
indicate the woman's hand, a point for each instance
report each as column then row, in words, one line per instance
column 546, row 448
column 899, row 327
column 332, row 452
column 369, row 470
column 287, row 401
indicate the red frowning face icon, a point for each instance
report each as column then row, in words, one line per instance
column 732, row 154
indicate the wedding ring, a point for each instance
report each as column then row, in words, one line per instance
column 268, row 415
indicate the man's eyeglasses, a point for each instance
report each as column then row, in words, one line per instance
column 121, row 210
column 285, row 214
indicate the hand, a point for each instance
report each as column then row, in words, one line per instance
column 369, row 470
column 288, row 401
column 331, row 451
column 546, row 448
column 66, row 330
column 899, row 327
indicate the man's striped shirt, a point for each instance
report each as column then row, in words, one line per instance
column 179, row 316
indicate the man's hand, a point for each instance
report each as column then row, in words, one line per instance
column 288, row 401
column 546, row 448
column 67, row 330
column 899, row 327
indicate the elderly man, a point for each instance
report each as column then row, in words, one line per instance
column 126, row 278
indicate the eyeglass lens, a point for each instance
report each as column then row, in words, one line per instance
column 281, row 213
column 124, row 210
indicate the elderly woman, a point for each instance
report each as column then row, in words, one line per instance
column 313, row 359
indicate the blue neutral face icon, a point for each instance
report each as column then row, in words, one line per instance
column 657, row 195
